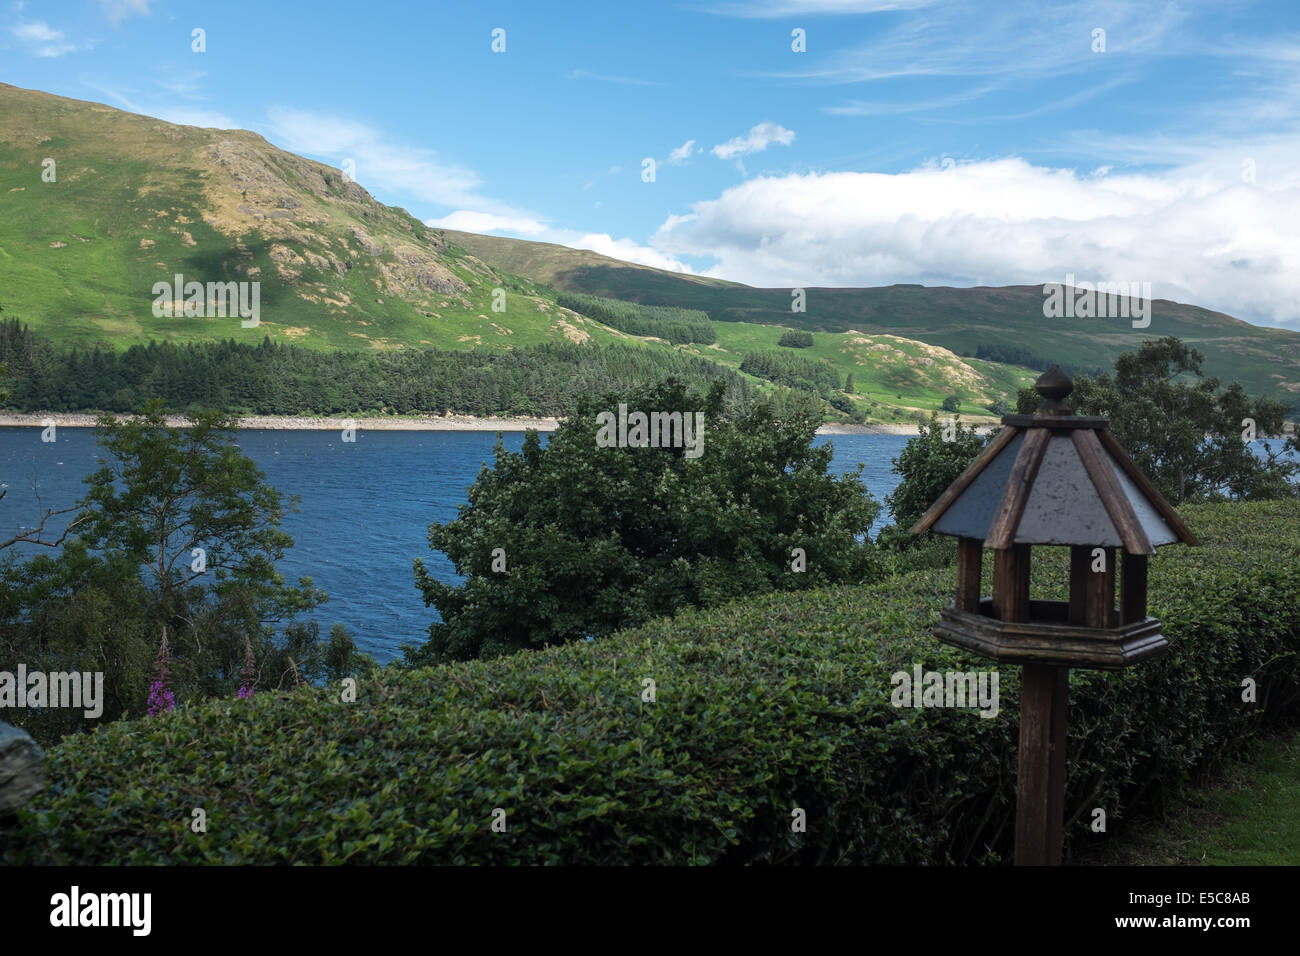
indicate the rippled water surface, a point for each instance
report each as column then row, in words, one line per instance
column 365, row 508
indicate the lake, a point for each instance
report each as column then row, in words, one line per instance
column 365, row 510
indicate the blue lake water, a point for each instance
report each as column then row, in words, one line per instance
column 365, row 509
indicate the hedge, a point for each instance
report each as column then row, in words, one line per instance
column 761, row 707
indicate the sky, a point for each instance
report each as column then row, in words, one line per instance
column 795, row 143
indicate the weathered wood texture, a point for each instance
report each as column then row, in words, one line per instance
column 1011, row 583
column 1040, row 806
column 1112, row 495
column 970, row 560
column 1002, row 532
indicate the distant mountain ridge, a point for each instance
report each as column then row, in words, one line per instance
column 135, row 201
column 1265, row 360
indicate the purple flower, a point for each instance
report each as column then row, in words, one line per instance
column 160, row 699
column 247, row 678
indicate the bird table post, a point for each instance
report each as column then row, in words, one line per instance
column 1053, row 478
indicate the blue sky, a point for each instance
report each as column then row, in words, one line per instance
column 936, row 142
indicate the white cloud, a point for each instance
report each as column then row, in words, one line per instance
column 119, row 10
column 758, row 139
column 1197, row 233
column 628, row 250
column 682, row 153
column 469, row 220
column 41, row 39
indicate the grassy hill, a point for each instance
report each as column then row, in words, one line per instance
column 894, row 378
column 1263, row 359
column 136, row 200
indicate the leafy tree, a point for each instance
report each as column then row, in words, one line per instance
column 132, row 572
column 678, row 326
column 951, row 404
column 796, row 340
column 796, row 371
column 848, row 384
column 595, row 539
column 1182, row 429
column 279, row 379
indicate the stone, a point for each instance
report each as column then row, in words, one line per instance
column 22, row 769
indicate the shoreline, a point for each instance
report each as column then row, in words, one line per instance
column 415, row 423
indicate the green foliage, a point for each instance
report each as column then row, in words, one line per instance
column 600, row 538
column 951, row 404
column 761, row 706
column 678, row 326
column 277, row 379
column 1019, row 355
column 927, row 465
column 796, row 340
column 131, row 573
column 816, row 375
column 1182, row 429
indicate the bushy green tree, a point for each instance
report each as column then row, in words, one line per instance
column 951, row 404
column 1182, row 429
column 178, row 534
column 594, row 539
column 796, row 340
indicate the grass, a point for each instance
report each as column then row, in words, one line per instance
column 1246, row 815
column 894, row 378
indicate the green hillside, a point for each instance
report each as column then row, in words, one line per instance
column 135, row 201
column 894, row 379
column 1264, row 360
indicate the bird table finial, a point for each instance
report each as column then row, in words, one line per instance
column 1054, row 385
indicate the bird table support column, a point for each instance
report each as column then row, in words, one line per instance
column 1059, row 473
column 1040, row 808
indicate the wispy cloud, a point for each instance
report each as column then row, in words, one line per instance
column 759, row 138
column 1011, row 39
column 606, row 78
column 899, row 106
column 382, row 162
column 682, row 153
column 40, row 39
column 469, row 220
column 183, row 114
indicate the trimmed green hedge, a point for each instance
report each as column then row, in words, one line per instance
column 762, row 707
